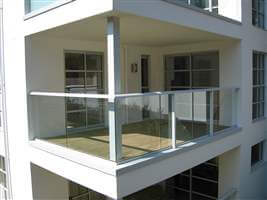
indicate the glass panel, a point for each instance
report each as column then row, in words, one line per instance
column 95, row 112
column 200, row 114
column 33, row 5
column 255, row 94
column 74, row 61
column 76, row 119
column 223, row 115
column 205, row 187
column 50, row 122
column 177, row 79
column 205, row 79
column 200, row 3
column 94, row 80
column 75, row 104
column 254, row 4
column 2, row 179
column 2, row 163
column 254, row 18
column 144, row 68
column 255, row 77
column 255, row 60
column 256, row 154
column 205, row 60
column 179, row 181
column 141, row 136
column 75, row 80
column 177, row 63
column 214, row 3
column 215, row 10
column 261, row 6
column 178, row 194
column 206, row 171
column 93, row 62
column 184, row 117
column 255, row 111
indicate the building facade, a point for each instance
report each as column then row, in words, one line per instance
column 133, row 100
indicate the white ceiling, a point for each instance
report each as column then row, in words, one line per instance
column 134, row 30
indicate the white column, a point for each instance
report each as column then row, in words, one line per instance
column 114, row 85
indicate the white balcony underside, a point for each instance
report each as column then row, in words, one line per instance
column 113, row 180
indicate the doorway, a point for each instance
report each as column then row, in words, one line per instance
column 145, row 84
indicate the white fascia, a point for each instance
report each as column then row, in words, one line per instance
column 180, row 14
column 72, row 11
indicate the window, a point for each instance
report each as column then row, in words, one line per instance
column 257, row 153
column 209, row 5
column 258, row 13
column 198, row 70
column 258, row 106
column 3, row 179
column 84, row 74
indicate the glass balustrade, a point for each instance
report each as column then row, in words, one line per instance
column 131, row 125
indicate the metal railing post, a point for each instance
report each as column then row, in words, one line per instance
column 211, row 113
column 172, row 119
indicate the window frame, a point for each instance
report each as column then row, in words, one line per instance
column 261, row 155
column 85, row 71
column 258, row 13
column 3, row 173
column 258, row 85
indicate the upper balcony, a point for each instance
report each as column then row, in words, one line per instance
column 132, row 125
column 44, row 15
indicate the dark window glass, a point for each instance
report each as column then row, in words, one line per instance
column 93, row 62
column 206, row 171
column 74, row 61
column 205, row 61
column 256, row 153
column 75, row 79
column 179, row 181
column 205, row 187
column 144, row 72
column 258, row 13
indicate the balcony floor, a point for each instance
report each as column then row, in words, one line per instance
column 137, row 138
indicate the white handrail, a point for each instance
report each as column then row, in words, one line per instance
column 62, row 94
column 106, row 96
column 174, row 92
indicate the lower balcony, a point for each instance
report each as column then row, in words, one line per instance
column 130, row 126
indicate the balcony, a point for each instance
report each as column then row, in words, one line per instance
column 130, row 126
column 32, row 6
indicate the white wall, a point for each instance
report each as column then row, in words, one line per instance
column 230, row 9
column 48, row 186
column 229, row 171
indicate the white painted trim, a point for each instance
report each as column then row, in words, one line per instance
column 45, row 9
column 84, row 159
column 175, row 92
column 192, row 7
column 62, row 94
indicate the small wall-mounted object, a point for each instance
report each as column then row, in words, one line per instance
column 134, row 68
